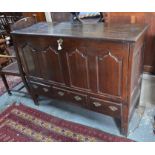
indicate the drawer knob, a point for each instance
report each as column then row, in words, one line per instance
column 35, row 86
column 45, row 89
column 61, row 93
column 77, row 98
column 59, row 41
column 113, row 108
column 97, row 104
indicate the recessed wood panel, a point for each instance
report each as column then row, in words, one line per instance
column 136, row 69
column 78, row 69
column 44, row 63
column 28, row 60
column 109, row 73
column 50, row 64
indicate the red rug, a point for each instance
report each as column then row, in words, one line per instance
column 23, row 124
column 12, row 82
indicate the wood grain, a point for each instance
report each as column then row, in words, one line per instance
column 139, row 18
column 99, row 70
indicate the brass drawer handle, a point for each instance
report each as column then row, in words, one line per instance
column 45, row 89
column 61, row 93
column 97, row 104
column 35, row 86
column 59, row 41
column 113, row 108
column 77, row 98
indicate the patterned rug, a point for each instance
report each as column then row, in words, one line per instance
column 24, row 124
column 12, row 82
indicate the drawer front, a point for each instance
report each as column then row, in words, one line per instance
column 41, row 89
column 59, row 93
column 71, row 96
column 78, row 98
column 105, row 107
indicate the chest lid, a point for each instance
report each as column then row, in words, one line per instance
column 115, row 32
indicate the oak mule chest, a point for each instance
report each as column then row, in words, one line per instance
column 96, row 66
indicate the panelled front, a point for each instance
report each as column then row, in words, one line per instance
column 93, row 66
column 97, row 66
column 41, row 59
column 99, row 70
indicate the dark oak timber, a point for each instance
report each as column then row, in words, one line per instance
column 97, row 66
column 139, row 18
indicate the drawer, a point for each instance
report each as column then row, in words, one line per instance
column 59, row 93
column 41, row 89
column 71, row 96
column 105, row 107
column 78, row 98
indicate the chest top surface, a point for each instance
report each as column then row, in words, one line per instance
column 115, row 32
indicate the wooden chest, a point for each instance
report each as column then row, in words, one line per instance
column 96, row 66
